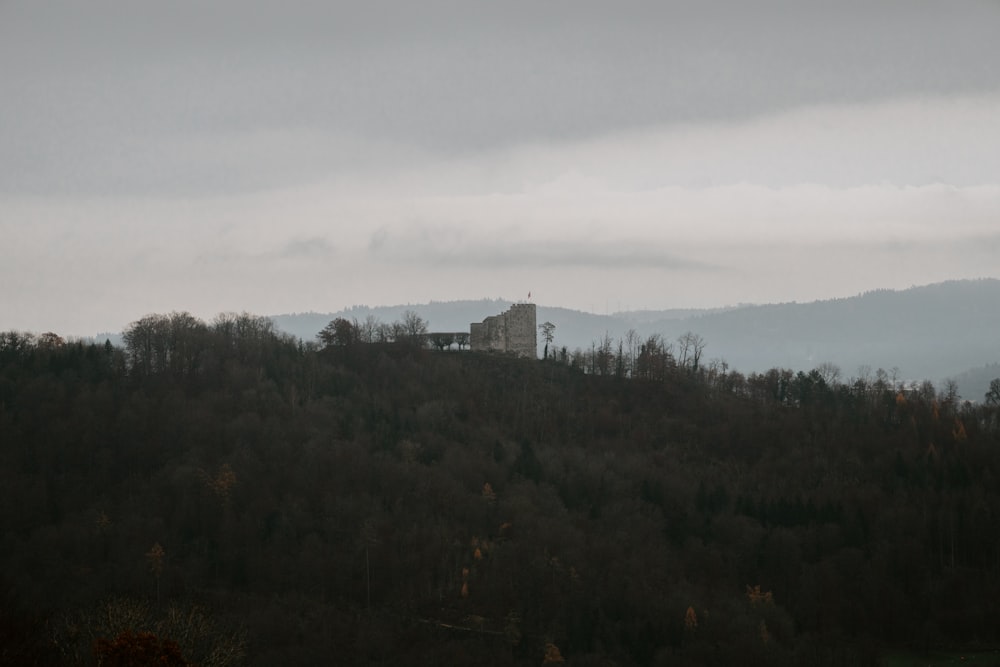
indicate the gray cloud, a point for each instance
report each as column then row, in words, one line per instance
column 296, row 250
column 427, row 249
column 315, row 248
column 311, row 154
column 115, row 96
column 580, row 247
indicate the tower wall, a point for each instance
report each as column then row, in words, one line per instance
column 513, row 331
column 522, row 335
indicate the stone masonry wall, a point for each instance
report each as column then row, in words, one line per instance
column 513, row 331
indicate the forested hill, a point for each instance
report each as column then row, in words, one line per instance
column 932, row 332
column 224, row 494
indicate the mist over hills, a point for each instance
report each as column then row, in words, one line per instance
column 944, row 330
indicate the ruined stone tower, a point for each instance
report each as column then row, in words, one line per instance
column 513, row 331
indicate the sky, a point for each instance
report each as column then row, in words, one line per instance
column 311, row 155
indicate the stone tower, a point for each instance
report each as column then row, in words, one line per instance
column 513, row 331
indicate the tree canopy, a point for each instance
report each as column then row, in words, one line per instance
column 221, row 489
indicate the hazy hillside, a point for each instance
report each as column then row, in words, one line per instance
column 926, row 332
column 930, row 332
column 975, row 382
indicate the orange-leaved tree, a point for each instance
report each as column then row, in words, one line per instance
column 138, row 649
column 690, row 620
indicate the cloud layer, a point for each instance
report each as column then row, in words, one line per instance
column 579, row 224
column 314, row 155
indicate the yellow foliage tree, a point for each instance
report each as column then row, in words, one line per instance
column 765, row 636
column 552, row 654
column 489, row 495
column 221, row 485
column 690, row 620
column 959, row 431
column 480, row 547
column 142, row 648
column 756, row 596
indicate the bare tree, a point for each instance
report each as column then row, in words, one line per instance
column 655, row 358
column 386, row 332
column 950, row 395
column 830, row 372
column 367, row 330
column 690, row 347
column 993, row 395
column 604, row 354
column 412, row 329
column 548, row 334
column 16, row 343
column 632, row 342
column 146, row 344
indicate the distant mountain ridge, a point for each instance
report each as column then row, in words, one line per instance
column 931, row 332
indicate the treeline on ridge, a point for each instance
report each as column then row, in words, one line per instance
column 225, row 494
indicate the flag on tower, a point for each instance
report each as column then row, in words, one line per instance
column 529, row 295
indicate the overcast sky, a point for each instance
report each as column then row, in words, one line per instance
column 312, row 155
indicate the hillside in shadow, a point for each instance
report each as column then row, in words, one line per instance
column 244, row 498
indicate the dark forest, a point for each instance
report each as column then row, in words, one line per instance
column 224, row 494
